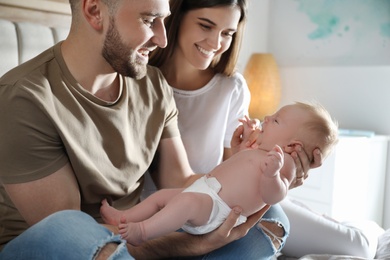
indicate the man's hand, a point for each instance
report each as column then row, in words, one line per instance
column 302, row 163
column 227, row 233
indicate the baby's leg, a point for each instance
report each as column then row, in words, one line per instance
column 185, row 207
column 141, row 211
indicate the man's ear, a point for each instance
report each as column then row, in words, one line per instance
column 93, row 14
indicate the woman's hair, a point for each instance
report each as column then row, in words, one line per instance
column 224, row 63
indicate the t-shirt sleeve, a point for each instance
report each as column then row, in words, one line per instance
column 171, row 128
column 30, row 146
column 239, row 106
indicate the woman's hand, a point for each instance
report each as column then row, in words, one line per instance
column 302, row 163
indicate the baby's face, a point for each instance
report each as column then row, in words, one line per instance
column 282, row 127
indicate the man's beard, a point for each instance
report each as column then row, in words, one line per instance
column 119, row 56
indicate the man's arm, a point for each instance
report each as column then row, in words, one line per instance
column 38, row 199
column 174, row 170
column 183, row 244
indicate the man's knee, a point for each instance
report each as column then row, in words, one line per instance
column 105, row 252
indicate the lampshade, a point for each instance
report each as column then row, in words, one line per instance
column 262, row 76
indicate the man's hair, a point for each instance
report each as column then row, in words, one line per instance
column 321, row 127
column 224, row 63
column 75, row 6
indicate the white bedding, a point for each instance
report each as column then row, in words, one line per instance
column 335, row 240
column 382, row 253
column 383, row 250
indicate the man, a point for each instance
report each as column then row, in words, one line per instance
column 84, row 121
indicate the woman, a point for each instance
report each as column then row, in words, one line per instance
column 204, row 39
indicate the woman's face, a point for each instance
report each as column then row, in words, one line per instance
column 205, row 33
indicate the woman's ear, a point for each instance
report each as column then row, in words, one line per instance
column 93, row 14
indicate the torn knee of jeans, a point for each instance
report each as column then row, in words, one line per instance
column 274, row 230
column 106, row 251
column 109, row 246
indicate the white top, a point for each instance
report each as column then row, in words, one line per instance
column 225, row 99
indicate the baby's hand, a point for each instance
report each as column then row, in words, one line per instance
column 249, row 125
column 274, row 161
column 245, row 135
column 250, row 132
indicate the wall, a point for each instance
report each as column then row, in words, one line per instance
column 54, row 13
column 255, row 37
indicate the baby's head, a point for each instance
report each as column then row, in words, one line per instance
column 318, row 131
column 309, row 125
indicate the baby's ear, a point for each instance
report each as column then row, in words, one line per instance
column 292, row 146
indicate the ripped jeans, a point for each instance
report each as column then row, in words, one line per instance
column 72, row 234
column 68, row 234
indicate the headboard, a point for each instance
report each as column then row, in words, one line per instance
column 29, row 27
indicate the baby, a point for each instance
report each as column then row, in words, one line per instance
column 251, row 179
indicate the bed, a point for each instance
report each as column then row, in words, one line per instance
column 25, row 33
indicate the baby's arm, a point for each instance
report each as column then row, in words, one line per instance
column 277, row 170
column 248, row 125
column 243, row 140
column 273, row 162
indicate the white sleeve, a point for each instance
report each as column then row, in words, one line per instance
column 239, row 106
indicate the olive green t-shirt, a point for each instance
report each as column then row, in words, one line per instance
column 48, row 119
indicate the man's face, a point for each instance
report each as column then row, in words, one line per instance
column 135, row 29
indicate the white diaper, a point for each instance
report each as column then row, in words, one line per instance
column 220, row 211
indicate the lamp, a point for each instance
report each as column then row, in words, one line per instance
column 262, row 76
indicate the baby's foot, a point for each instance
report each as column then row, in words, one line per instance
column 109, row 214
column 131, row 232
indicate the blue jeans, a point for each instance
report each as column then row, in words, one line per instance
column 73, row 234
column 68, row 234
